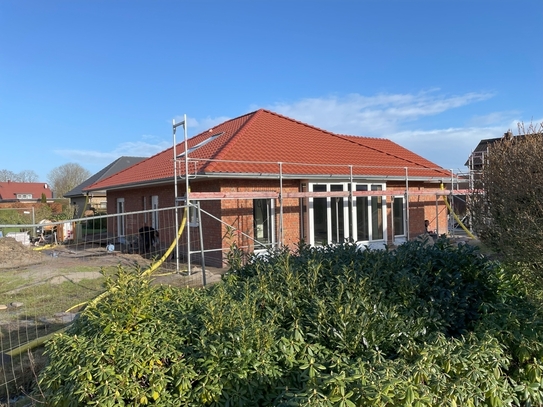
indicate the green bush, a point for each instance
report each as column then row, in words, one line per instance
column 330, row 326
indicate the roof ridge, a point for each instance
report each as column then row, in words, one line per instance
column 246, row 127
column 298, row 122
column 351, row 138
column 230, row 144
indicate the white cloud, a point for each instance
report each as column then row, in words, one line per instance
column 135, row 149
column 449, row 148
column 373, row 115
column 398, row 117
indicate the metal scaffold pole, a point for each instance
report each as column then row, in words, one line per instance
column 187, row 189
column 407, row 203
column 174, row 127
column 280, row 203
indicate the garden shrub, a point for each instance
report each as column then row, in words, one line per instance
column 329, row 326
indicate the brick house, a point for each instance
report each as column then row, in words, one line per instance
column 280, row 181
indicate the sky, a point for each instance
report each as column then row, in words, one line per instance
column 88, row 81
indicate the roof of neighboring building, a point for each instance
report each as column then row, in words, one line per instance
column 9, row 190
column 254, row 144
column 477, row 155
column 118, row 165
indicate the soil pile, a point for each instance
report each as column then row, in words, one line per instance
column 14, row 254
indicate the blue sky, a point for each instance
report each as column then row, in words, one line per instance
column 88, row 81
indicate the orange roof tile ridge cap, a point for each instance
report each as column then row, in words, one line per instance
column 299, row 122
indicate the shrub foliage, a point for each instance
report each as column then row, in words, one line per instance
column 330, row 326
column 507, row 204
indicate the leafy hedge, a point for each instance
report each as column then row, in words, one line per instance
column 332, row 326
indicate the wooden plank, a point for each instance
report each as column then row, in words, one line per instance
column 199, row 196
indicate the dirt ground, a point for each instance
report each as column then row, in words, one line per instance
column 47, row 262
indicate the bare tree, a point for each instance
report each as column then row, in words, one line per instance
column 23, row 176
column 27, row 176
column 507, row 203
column 7, row 175
column 66, row 177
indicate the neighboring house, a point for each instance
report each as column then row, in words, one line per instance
column 281, row 181
column 26, row 192
column 96, row 201
column 477, row 157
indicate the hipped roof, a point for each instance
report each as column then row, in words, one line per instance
column 254, row 144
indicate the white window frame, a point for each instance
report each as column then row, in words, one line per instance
column 121, row 221
column 154, row 213
column 404, row 217
column 329, row 208
column 271, row 223
column 350, row 230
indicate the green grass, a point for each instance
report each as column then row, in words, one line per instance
column 47, row 299
column 11, row 280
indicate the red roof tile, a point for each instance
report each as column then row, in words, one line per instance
column 9, row 190
column 256, row 142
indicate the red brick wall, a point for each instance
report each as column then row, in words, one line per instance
column 421, row 207
column 238, row 213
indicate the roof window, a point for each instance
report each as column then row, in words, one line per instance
column 201, row 143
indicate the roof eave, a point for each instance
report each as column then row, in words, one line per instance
column 131, row 185
column 437, row 179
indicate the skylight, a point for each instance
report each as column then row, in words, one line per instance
column 201, row 143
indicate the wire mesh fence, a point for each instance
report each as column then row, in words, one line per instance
column 49, row 271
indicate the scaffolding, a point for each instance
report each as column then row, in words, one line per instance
column 350, row 175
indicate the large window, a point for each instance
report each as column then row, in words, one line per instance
column 263, row 223
column 336, row 219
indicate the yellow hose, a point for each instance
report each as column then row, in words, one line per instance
column 40, row 341
column 33, row 344
column 156, row 265
column 47, row 246
column 456, row 216
column 153, row 266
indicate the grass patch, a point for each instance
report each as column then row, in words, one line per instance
column 11, row 280
column 47, row 299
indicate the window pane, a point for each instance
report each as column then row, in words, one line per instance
column 362, row 215
column 376, row 214
column 338, row 218
column 398, row 216
column 320, row 219
column 262, row 222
